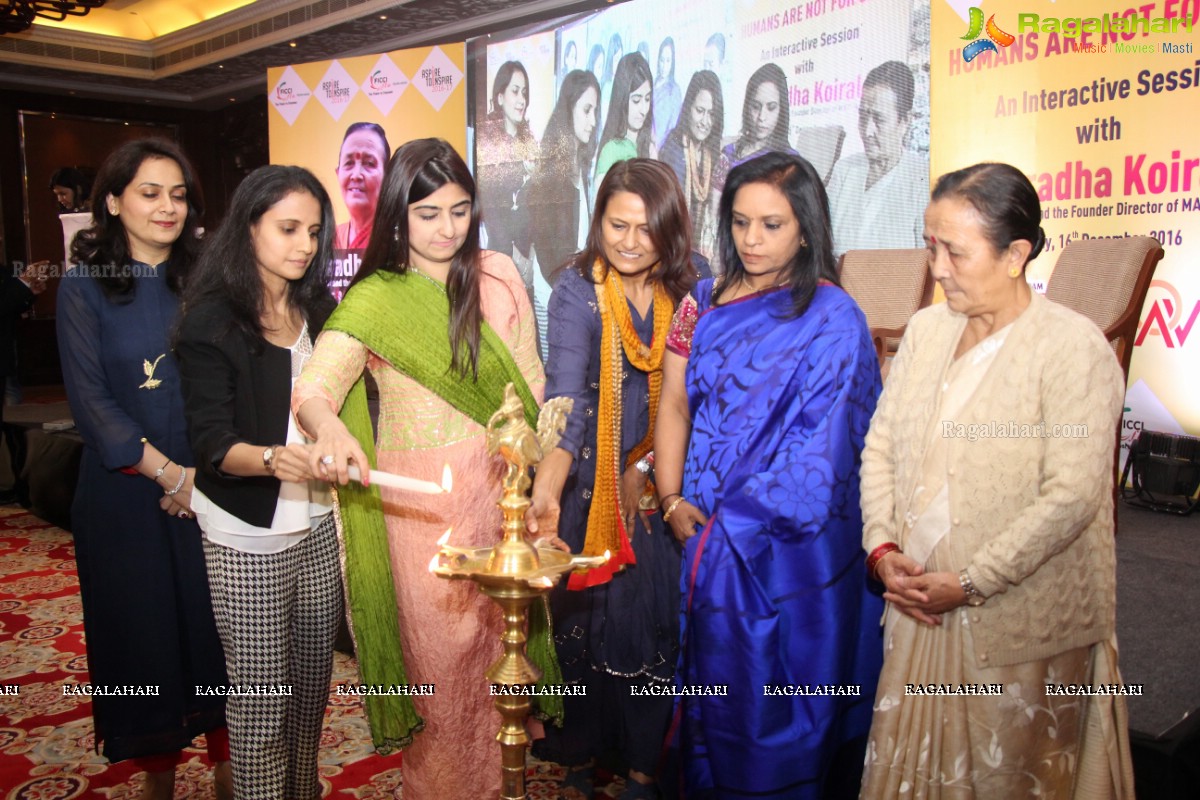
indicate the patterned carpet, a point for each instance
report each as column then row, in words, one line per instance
column 46, row 740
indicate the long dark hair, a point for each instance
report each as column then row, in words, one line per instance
column 418, row 169
column 615, row 45
column 504, row 77
column 597, row 52
column 105, row 244
column 666, row 217
column 796, row 179
column 701, row 80
column 558, row 148
column 1005, row 199
column 227, row 268
column 632, row 72
column 773, row 74
column 77, row 180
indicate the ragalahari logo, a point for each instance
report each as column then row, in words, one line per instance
column 995, row 36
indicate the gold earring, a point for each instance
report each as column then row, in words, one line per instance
column 1014, row 272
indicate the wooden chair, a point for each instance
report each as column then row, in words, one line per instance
column 1106, row 280
column 889, row 286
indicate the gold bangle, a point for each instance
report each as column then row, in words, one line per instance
column 671, row 508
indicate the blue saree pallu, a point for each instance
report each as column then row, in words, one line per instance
column 776, row 605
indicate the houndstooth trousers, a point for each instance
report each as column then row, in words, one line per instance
column 277, row 615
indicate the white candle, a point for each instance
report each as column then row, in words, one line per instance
column 397, row 481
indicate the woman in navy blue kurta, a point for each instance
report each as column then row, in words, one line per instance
column 147, row 614
column 615, row 631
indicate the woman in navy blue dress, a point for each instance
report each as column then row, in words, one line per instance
column 146, row 609
column 616, row 627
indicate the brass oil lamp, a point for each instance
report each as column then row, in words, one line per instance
column 515, row 573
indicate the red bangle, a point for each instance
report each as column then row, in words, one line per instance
column 129, row 471
column 877, row 555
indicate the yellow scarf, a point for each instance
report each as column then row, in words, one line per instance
column 606, row 527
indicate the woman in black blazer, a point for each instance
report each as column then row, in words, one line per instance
column 253, row 308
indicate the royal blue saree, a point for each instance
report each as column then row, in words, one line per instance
column 775, row 592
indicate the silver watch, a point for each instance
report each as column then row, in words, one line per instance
column 974, row 598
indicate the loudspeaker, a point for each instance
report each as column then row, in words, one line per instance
column 1162, row 472
column 1167, row 767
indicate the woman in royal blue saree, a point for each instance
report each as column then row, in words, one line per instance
column 770, row 384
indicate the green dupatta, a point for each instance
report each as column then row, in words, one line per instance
column 420, row 348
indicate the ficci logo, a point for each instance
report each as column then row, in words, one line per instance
column 283, row 91
column 1164, row 316
column 977, row 45
column 1131, row 428
column 378, row 80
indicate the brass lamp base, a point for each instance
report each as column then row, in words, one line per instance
column 514, row 573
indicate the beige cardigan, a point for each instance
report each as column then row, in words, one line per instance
column 1031, row 515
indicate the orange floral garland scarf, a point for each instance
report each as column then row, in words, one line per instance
column 606, row 525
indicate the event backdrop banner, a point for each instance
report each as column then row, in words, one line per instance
column 341, row 119
column 1099, row 105
column 703, row 85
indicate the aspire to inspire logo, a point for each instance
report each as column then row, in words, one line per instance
column 995, row 36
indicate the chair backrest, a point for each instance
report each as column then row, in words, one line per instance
column 821, row 146
column 1106, row 280
column 889, row 286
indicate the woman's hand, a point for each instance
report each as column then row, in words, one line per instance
column 293, row 463
column 898, row 574
column 684, row 519
column 180, row 503
column 943, row 590
column 552, row 541
column 922, row 596
column 633, row 486
column 542, row 515
column 169, row 505
column 34, row 276
column 542, row 518
column 334, row 450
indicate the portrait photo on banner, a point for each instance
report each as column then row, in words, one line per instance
column 701, row 86
column 342, row 119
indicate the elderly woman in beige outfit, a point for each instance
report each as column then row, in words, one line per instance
column 987, row 505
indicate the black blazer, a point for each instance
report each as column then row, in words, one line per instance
column 236, row 389
column 553, row 214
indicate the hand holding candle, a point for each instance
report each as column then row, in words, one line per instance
column 405, row 483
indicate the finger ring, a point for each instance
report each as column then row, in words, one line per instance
column 327, row 460
column 183, row 515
